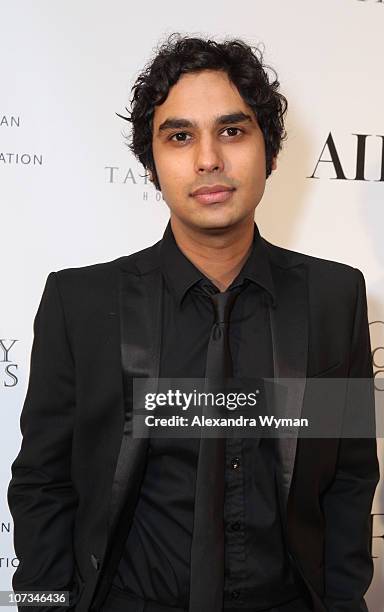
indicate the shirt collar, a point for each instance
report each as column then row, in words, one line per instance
column 181, row 274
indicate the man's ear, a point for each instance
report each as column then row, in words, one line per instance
column 274, row 163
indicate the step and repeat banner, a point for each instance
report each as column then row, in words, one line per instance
column 72, row 194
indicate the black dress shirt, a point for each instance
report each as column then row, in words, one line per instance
column 155, row 563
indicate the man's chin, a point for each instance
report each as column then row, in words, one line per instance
column 216, row 223
column 211, row 221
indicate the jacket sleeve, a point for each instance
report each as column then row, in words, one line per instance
column 41, row 497
column 347, row 503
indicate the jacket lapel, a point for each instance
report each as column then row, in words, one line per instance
column 140, row 291
column 139, row 297
column 289, row 330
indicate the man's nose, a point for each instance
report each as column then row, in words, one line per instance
column 208, row 156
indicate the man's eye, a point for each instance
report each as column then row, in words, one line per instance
column 231, row 131
column 180, row 137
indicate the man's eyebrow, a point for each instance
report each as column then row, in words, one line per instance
column 178, row 123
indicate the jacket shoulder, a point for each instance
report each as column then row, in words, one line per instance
column 101, row 273
column 86, row 292
column 287, row 258
column 328, row 279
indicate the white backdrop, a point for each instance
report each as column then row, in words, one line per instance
column 72, row 194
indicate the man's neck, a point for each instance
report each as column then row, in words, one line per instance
column 219, row 256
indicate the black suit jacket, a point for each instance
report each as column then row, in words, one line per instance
column 77, row 476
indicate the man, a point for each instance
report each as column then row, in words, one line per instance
column 127, row 523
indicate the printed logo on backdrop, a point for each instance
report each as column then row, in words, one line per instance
column 332, row 156
column 9, row 157
column 8, row 379
column 377, row 530
column 133, row 177
column 377, row 341
column 9, row 121
column 6, row 562
column 8, row 367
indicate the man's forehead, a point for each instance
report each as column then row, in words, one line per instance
column 191, row 96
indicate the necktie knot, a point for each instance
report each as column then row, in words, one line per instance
column 222, row 304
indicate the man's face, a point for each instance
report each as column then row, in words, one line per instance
column 205, row 135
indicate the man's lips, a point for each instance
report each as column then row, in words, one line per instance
column 215, row 193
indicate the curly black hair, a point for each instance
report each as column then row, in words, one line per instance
column 180, row 55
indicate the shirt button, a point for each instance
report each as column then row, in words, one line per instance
column 235, row 462
column 235, row 526
column 95, row 562
column 235, row 594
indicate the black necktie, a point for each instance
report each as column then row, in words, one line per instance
column 207, row 551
